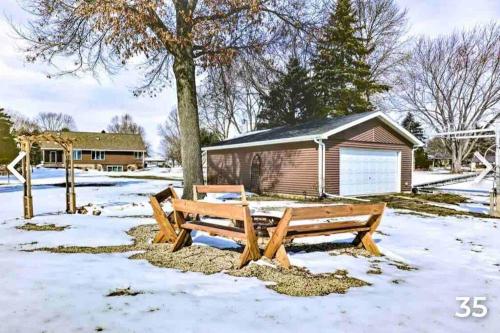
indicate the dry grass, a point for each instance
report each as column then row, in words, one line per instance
column 208, row 260
column 124, row 292
column 420, row 205
column 41, row 227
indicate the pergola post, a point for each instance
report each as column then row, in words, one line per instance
column 72, row 195
column 495, row 195
column 66, row 172
column 26, row 168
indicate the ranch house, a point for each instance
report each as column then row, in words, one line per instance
column 99, row 151
column 359, row 154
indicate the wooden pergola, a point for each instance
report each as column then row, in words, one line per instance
column 26, row 142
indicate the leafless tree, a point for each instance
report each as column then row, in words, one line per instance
column 168, row 35
column 383, row 25
column 52, row 121
column 171, row 138
column 22, row 124
column 125, row 124
column 453, row 83
column 230, row 96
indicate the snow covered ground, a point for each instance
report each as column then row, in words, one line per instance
column 47, row 292
column 423, row 177
column 477, row 193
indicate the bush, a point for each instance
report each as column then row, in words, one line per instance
column 421, row 159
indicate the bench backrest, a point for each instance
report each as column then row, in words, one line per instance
column 205, row 189
column 333, row 211
column 221, row 210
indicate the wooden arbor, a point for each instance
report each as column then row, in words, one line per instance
column 26, row 142
column 492, row 132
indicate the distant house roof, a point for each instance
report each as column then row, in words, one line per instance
column 315, row 129
column 100, row 141
column 489, row 157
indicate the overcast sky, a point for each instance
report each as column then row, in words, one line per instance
column 26, row 89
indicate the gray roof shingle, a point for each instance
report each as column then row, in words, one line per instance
column 100, row 141
column 313, row 127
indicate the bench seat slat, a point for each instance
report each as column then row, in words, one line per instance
column 299, row 234
column 311, row 213
column 216, row 229
column 325, row 228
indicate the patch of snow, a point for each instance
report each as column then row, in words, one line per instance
column 423, row 177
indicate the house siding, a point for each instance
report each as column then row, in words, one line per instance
column 292, row 168
column 111, row 158
column 286, row 168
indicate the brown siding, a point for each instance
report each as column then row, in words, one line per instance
column 286, row 168
column 293, row 168
column 112, row 158
column 123, row 158
column 372, row 134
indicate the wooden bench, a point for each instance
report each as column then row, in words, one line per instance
column 185, row 208
column 167, row 232
column 364, row 229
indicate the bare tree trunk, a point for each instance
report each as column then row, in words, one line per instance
column 184, row 70
column 456, row 157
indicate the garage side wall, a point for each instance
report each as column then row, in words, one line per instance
column 373, row 134
column 285, row 168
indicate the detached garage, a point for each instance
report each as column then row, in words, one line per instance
column 360, row 154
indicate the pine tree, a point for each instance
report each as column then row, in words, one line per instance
column 291, row 98
column 342, row 77
column 413, row 126
column 8, row 147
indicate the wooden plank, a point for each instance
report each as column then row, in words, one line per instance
column 251, row 238
column 219, row 188
column 215, row 229
column 160, row 237
column 278, row 235
column 311, row 213
column 282, row 257
column 369, row 244
column 169, row 192
column 293, row 234
column 209, row 209
column 163, row 222
column 326, row 226
column 181, row 240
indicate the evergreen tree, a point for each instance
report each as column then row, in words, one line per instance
column 291, row 98
column 413, row 126
column 208, row 137
column 342, row 77
column 8, row 147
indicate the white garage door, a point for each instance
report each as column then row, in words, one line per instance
column 369, row 171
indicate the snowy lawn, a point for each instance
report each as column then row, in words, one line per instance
column 49, row 292
column 423, row 177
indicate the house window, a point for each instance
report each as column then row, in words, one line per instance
column 77, row 155
column 138, row 155
column 114, row 168
column 98, row 155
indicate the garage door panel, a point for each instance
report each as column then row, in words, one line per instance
column 368, row 171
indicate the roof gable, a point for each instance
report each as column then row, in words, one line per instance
column 311, row 130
